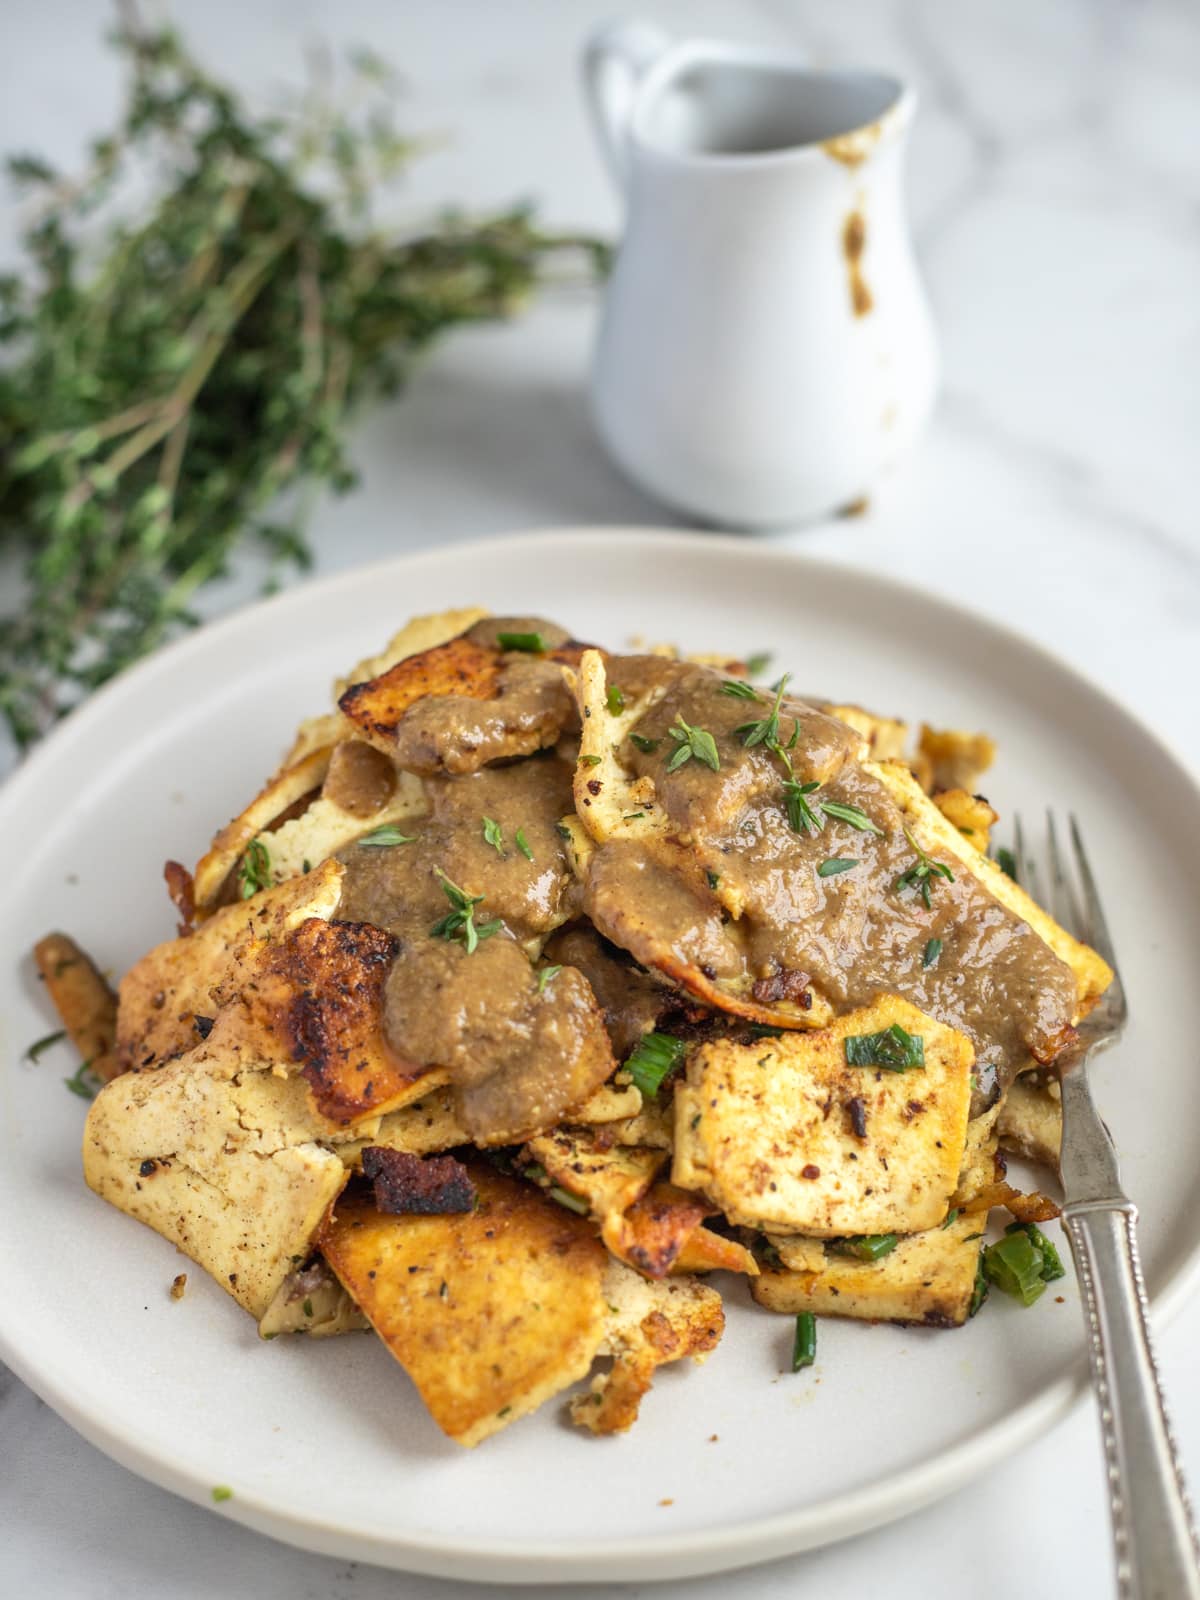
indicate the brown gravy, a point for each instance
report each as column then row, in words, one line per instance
column 852, row 934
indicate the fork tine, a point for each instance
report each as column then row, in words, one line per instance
column 1096, row 933
column 1026, row 871
column 1063, row 906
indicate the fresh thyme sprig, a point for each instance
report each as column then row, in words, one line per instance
column 459, row 922
column 163, row 381
column 766, row 729
column 691, row 742
column 923, row 872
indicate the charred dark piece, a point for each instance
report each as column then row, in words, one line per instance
column 424, row 1186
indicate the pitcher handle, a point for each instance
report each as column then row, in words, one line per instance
column 615, row 60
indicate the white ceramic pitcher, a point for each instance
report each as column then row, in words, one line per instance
column 766, row 348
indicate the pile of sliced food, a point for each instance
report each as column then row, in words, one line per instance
column 541, row 983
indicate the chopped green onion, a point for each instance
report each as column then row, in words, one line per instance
column 255, row 871
column 850, row 814
column 572, row 1202
column 804, row 1346
column 545, row 976
column 532, row 642
column 835, row 864
column 893, row 1048
column 980, row 1292
column 522, row 844
column 1016, row 1265
column 1052, row 1267
column 1007, row 862
column 646, row 746
column 382, row 839
column 84, row 1082
column 651, row 1060
column 866, row 1246
column 493, row 834
column 691, row 742
column 615, row 699
column 36, row 1048
column 738, row 690
column 933, row 950
column 951, row 1216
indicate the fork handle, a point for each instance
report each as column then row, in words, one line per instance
column 1157, row 1556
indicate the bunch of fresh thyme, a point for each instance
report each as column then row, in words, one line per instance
column 162, row 387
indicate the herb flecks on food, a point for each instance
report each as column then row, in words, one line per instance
column 493, row 834
column 893, row 1048
column 546, row 975
column 689, row 742
column 804, row 1345
column 738, row 689
column 923, row 873
column 765, row 730
column 852, row 815
column 383, row 838
column 646, row 746
column 43, row 1044
column 758, row 664
column 165, row 378
column 254, row 873
column 615, row 700
column 531, row 643
column 833, row 866
column 1007, row 862
column 522, row 844
column 221, row 1492
column 84, row 1082
column 654, row 1056
column 459, row 922
column 933, row 949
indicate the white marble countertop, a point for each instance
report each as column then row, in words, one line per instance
column 1054, row 195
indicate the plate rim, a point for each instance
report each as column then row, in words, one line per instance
column 655, row 1556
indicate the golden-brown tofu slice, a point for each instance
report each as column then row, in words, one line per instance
column 928, row 1278
column 647, row 1325
column 162, row 994
column 217, row 1152
column 490, row 1313
column 1030, row 1122
column 768, row 1131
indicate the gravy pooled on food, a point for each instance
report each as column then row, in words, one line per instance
column 463, row 994
column 500, row 694
column 836, row 903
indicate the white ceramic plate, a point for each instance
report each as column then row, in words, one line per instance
column 325, row 1443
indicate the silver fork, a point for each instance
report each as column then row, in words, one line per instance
column 1156, row 1549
